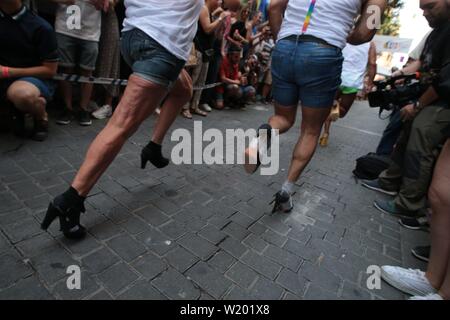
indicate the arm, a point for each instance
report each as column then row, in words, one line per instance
column 364, row 30
column 276, row 13
column 372, row 65
column 208, row 26
column 46, row 71
column 226, row 80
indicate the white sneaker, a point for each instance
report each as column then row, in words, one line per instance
column 103, row 112
column 410, row 281
column 205, row 107
column 434, row 296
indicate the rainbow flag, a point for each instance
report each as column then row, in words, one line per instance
column 308, row 16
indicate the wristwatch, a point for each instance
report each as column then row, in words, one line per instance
column 418, row 106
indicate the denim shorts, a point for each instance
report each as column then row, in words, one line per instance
column 149, row 60
column 309, row 72
column 75, row 52
column 46, row 87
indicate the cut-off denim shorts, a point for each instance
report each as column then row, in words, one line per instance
column 150, row 60
column 305, row 71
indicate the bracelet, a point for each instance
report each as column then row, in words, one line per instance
column 417, row 106
column 5, row 72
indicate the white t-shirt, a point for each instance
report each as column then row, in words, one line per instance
column 82, row 12
column 331, row 20
column 355, row 63
column 172, row 23
column 417, row 52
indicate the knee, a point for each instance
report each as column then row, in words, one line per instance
column 438, row 198
column 23, row 98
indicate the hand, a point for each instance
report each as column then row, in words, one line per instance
column 369, row 87
column 100, row 4
column 408, row 112
column 218, row 11
column 224, row 15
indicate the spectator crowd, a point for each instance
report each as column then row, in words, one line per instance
column 231, row 59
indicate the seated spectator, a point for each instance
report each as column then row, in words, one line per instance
column 77, row 47
column 28, row 59
column 435, row 283
column 235, row 90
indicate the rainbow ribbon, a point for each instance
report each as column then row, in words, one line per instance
column 308, row 16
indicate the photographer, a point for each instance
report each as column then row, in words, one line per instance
column 394, row 128
column 415, row 153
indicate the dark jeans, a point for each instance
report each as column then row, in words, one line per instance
column 209, row 95
column 390, row 134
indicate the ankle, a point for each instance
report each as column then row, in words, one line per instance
column 70, row 198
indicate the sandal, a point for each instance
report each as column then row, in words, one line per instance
column 200, row 112
column 187, row 114
column 323, row 141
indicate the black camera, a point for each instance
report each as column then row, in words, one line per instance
column 397, row 92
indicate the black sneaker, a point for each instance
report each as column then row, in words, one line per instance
column 282, row 202
column 422, row 253
column 414, row 223
column 40, row 132
column 64, row 118
column 84, row 118
column 375, row 186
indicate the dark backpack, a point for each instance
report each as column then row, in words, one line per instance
column 371, row 165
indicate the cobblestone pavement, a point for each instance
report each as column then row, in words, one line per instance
column 197, row 231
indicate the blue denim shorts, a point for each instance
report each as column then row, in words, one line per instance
column 46, row 87
column 309, row 72
column 149, row 60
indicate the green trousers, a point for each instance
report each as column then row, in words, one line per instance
column 414, row 157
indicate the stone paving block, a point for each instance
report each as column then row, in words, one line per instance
column 126, row 247
column 12, row 270
column 105, row 230
column 173, row 229
column 149, row 265
column 321, row 277
column 33, row 246
column 156, row 241
column 256, row 243
column 317, row 293
column 274, row 238
column 181, row 259
column 242, row 219
column 242, row 275
column 212, row 234
column 9, row 203
column 102, row 295
column 283, row 257
column 266, row 290
column 233, row 247
column 210, row 280
column 352, row 292
column 134, row 225
column 26, row 189
column 292, row 282
column 238, row 294
column 175, row 286
column 236, row 231
column 222, row 261
column 117, row 277
column 261, row 264
column 99, row 261
column 142, row 290
column 26, row 289
column 22, row 230
column 152, row 215
column 81, row 248
column 198, row 246
column 88, row 287
column 52, row 263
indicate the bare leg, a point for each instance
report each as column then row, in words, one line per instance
column 86, row 90
column 312, row 122
column 27, row 98
column 66, row 89
column 438, row 272
column 180, row 94
column 140, row 99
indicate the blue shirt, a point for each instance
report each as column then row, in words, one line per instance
column 26, row 40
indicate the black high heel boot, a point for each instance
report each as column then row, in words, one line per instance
column 67, row 207
column 152, row 153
